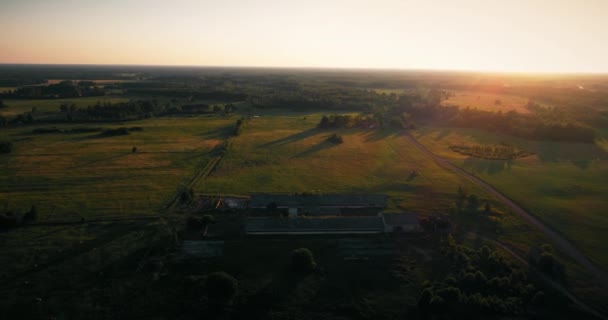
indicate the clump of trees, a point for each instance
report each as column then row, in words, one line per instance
column 346, row 121
column 335, row 139
column 221, row 288
column 238, row 127
column 121, row 131
column 70, row 130
column 303, row 261
column 492, row 152
column 6, row 147
column 543, row 259
column 63, row 89
column 107, row 111
column 11, row 219
column 480, row 281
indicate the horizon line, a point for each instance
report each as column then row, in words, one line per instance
column 393, row 69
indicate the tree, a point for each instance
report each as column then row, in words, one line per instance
column 221, row 288
column 487, row 208
column 31, row 215
column 6, row 147
column 546, row 262
column 302, row 260
column 473, row 202
column 206, row 221
column 134, row 149
column 324, row 122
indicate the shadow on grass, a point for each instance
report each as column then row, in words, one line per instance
column 87, row 164
column 219, row 133
column 291, row 138
column 487, row 166
column 443, row 133
column 579, row 154
column 379, row 134
column 314, row 149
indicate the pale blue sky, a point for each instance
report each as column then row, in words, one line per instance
column 516, row 35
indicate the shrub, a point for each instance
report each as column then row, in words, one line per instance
column 335, row 139
column 221, row 287
column 6, row 147
column 302, row 260
column 31, row 215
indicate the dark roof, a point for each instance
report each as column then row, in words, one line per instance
column 333, row 224
column 324, row 211
column 400, row 218
column 319, row 200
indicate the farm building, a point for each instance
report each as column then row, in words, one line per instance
column 318, row 204
column 400, row 222
column 325, row 225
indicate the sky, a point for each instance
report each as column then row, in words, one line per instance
column 485, row 35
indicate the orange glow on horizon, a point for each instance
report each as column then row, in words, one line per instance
column 512, row 36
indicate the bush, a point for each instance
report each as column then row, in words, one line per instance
column 31, row 215
column 7, row 220
column 221, row 287
column 6, row 147
column 116, row 132
column 335, row 139
column 302, row 260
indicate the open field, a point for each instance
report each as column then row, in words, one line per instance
column 286, row 153
column 487, row 101
column 85, row 174
column 563, row 183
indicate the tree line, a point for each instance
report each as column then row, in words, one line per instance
column 533, row 126
column 63, row 89
column 478, row 282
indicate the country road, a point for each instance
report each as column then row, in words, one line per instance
column 563, row 244
column 550, row 282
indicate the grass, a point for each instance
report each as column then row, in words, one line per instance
column 88, row 174
column 286, row 153
column 486, row 101
column 564, row 184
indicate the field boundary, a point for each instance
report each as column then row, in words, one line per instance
column 549, row 281
column 202, row 174
column 564, row 244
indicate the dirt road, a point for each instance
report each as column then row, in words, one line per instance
column 561, row 243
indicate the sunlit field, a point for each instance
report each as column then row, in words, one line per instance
column 563, row 183
column 89, row 174
column 286, row 153
column 487, row 101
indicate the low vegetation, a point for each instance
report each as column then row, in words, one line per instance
column 479, row 281
column 491, row 152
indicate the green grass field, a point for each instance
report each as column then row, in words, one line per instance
column 288, row 154
column 486, row 101
column 89, row 174
column 564, row 184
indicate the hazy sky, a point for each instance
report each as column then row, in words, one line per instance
column 503, row 35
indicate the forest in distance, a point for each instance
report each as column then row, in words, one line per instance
column 233, row 193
